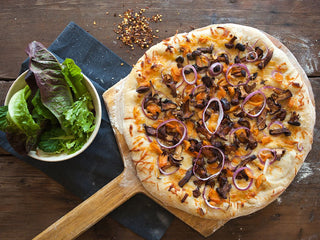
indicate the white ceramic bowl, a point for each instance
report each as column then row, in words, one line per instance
column 20, row 83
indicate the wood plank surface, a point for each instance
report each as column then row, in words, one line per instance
column 295, row 23
column 30, row 201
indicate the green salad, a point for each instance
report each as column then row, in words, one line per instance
column 54, row 112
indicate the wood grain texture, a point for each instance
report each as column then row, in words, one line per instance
column 30, row 201
column 295, row 23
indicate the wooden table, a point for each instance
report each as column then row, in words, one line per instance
column 30, row 201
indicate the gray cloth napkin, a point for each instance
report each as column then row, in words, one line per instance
column 101, row 162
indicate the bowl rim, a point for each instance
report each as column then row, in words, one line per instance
column 20, row 83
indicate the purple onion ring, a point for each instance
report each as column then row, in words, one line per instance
column 182, row 137
column 213, row 66
column 235, row 182
column 221, row 113
column 272, row 151
column 213, row 175
column 194, row 71
column 249, row 97
column 244, row 67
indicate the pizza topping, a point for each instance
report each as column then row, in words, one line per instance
column 213, row 197
column 281, row 115
column 180, row 60
column 220, row 116
column 150, row 131
column 240, row 47
column 170, row 132
column 225, row 104
column 164, row 164
column 264, row 62
column 184, row 198
column 235, row 175
column 236, row 97
column 237, row 67
column 196, row 193
column 279, row 131
column 267, row 154
column 273, row 106
column 230, row 44
column 211, row 156
column 299, row 147
column 252, row 99
column 186, row 178
column 245, row 161
column 170, row 83
column 294, row 119
column 280, row 95
column 206, row 49
column 224, row 187
column 215, row 69
column 167, row 105
column 143, row 89
column 186, row 69
column 261, row 120
column 150, row 107
column 252, row 56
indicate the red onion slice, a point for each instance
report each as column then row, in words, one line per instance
column 221, row 113
column 299, row 147
column 182, row 137
column 244, row 67
column 212, row 69
column 270, row 150
column 249, row 97
column 252, row 48
column 206, row 200
column 255, row 56
column 235, row 130
column 194, row 71
column 277, row 123
column 185, row 89
column 235, row 181
column 213, row 175
column 193, row 90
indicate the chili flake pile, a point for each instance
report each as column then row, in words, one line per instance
column 135, row 28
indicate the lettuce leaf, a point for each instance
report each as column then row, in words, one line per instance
column 19, row 115
column 22, row 131
column 40, row 112
column 79, row 122
column 74, row 78
column 54, row 90
column 52, row 141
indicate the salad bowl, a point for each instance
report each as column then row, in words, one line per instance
column 20, row 83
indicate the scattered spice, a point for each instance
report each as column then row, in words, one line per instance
column 135, row 28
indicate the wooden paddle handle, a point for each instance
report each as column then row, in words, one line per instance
column 93, row 209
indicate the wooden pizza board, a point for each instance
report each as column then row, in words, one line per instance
column 127, row 184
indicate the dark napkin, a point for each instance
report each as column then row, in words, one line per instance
column 101, row 162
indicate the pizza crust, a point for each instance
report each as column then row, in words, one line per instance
column 165, row 188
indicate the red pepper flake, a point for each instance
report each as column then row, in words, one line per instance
column 135, row 28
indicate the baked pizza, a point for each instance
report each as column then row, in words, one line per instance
column 218, row 121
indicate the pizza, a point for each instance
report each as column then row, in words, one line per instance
column 218, row 121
